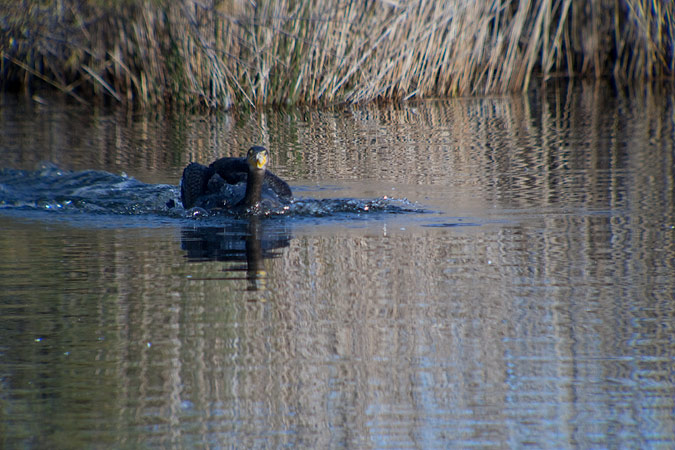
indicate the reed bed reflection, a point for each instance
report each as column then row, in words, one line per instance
column 343, row 345
column 547, row 321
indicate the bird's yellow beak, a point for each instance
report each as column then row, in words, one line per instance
column 261, row 160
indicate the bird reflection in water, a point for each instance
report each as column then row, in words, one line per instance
column 249, row 241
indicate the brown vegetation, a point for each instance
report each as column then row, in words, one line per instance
column 225, row 53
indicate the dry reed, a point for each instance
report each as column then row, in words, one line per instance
column 245, row 52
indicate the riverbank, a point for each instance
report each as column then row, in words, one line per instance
column 222, row 55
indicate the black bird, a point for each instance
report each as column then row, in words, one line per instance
column 234, row 183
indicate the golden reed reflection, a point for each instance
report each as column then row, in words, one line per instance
column 460, row 141
column 364, row 326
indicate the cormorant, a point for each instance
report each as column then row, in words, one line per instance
column 234, row 183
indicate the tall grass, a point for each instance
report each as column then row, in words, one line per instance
column 245, row 52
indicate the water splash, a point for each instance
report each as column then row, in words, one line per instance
column 327, row 207
column 97, row 192
column 89, row 191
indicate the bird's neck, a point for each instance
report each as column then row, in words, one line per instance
column 254, row 188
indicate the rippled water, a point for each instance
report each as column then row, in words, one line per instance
column 494, row 272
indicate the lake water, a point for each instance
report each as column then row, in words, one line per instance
column 485, row 272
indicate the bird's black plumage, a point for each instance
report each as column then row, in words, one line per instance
column 233, row 183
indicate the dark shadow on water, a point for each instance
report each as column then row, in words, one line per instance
column 451, row 225
column 249, row 242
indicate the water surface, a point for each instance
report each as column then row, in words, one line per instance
column 513, row 286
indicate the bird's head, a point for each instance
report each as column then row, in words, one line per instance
column 257, row 158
